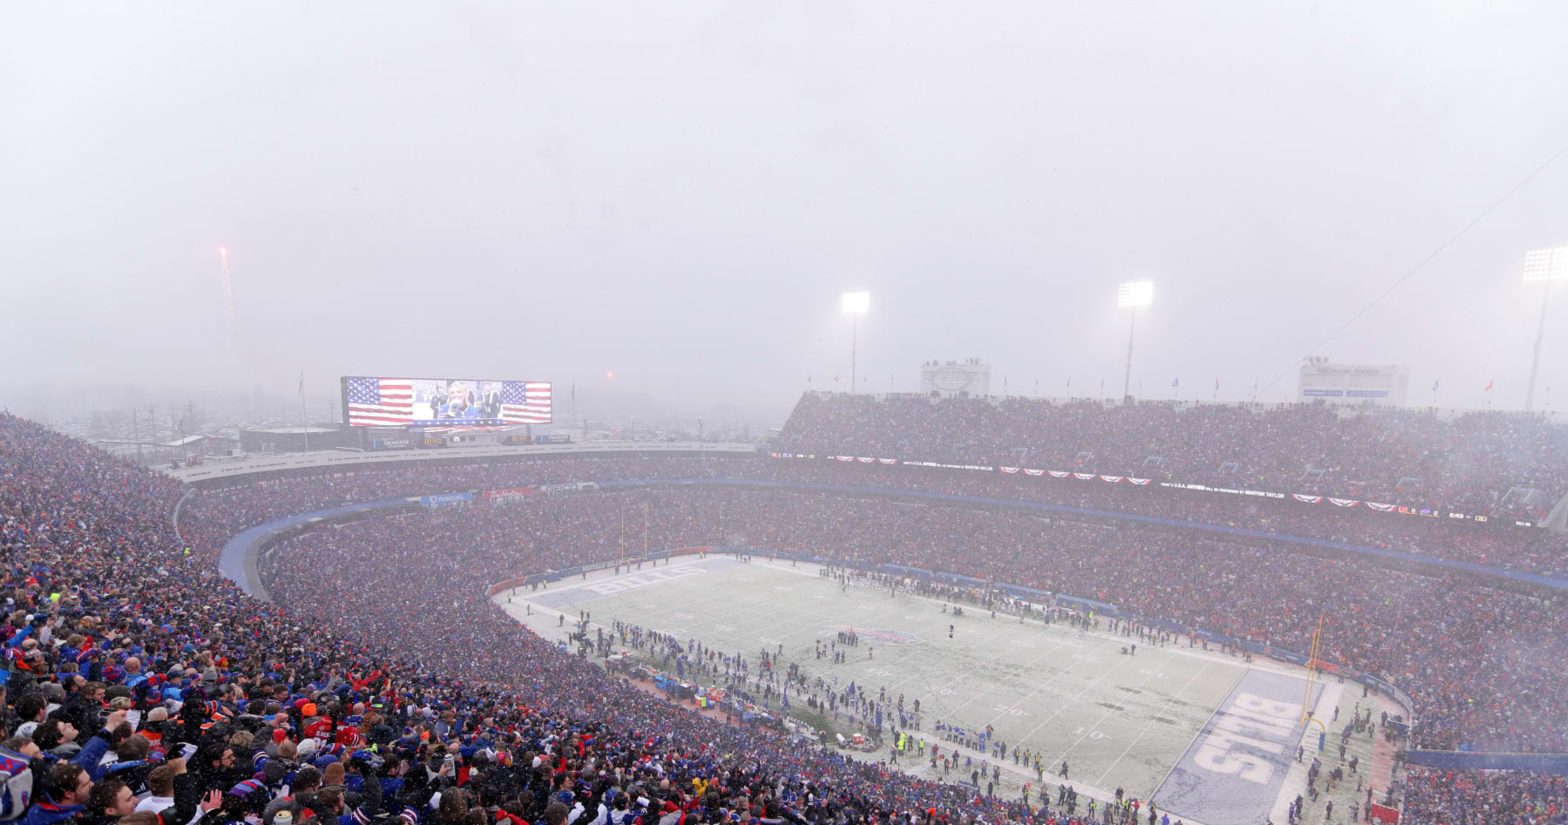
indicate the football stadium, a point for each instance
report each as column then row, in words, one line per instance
column 815, row 626
column 863, row 412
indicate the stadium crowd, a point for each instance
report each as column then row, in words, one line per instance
column 1403, row 456
column 1485, row 798
column 230, row 710
column 1494, row 545
column 386, row 687
column 212, row 515
column 1478, row 660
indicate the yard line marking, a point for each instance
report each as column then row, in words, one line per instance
column 1037, row 688
column 1150, row 723
column 1076, row 697
column 1177, row 761
column 991, row 683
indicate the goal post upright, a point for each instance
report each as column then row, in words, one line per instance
column 1313, row 667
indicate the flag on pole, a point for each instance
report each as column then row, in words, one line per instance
column 1488, row 387
column 1176, row 382
column 301, row 383
column 1434, row 386
column 1216, row 385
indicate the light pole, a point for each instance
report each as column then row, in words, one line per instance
column 854, row 304
column 1546, row 266
column 1132, row 295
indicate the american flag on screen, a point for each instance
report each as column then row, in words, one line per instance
column 383, row 402
column 525, row 402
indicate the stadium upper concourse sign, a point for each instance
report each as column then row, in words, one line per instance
column 1384, row 386
column 970, row 378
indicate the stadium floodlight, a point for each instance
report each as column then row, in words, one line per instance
column 1543, row 266
column 1134, row 294
column 854, row 304
column 1131, row 296
column 1546, row 264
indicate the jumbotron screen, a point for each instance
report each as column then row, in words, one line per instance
column 444, row 402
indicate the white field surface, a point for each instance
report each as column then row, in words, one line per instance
column 1118, row 720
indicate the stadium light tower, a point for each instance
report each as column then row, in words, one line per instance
column 1546, row 266
column 854, row 304
column 1132, row 295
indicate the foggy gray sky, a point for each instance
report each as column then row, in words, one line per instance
column 679, row 192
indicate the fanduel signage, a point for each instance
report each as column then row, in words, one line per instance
column 446, row 499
